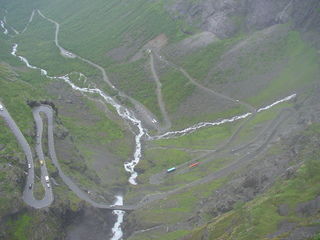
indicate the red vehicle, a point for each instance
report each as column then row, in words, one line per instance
column 194, row 164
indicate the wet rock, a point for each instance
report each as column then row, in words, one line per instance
column 2, row 146
column 290, row 172
column 303, row 233
column 61, row 132
column 283, row 227
column 283, row 210
column 225, row 17
column 308, row 208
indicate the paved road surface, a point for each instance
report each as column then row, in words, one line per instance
column 28, row 196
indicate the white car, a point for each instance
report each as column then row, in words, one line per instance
column 1, row 107
column 47, row 179
column 48, row 185
column 29, row 165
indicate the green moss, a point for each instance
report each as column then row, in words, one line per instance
column 259, row 217
column 200, row 62
column 21, row 227
column 175, row 89
column 302, row 68
column 136, row 81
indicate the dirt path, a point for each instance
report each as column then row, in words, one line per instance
column 167, row 122
column 200, row 86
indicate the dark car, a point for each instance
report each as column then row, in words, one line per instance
column 30, row 185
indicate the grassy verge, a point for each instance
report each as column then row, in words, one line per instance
column 135, row 80
column 175, row 89
column 199, row 63
column 37, row 45
column 157, row 160
column 38, row 190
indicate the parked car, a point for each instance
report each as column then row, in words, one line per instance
column 171, row 170
column 41, row 162
column 46, row 178
column 194, row 165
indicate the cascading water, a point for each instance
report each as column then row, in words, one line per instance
column 5, row 31
column 116, row 230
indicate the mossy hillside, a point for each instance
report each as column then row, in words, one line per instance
column 175, row 89
column 198, row 63
column 31, row 224
column 135, row 79
column 15, row 94
column 103, row 26
column 259, row 122
column 37, row 45
column 157, row 160
column 260, row 217
column 175, row 208
column 18, row 12
column 301, row 69
column 161, row 234
column 293, row 63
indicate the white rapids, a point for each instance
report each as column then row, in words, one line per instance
column 116, row 230
column 193, row 128
column 277, row 102
column 5, row 31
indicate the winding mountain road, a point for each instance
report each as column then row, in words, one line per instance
column 28, row 196
column 48, row 111
column 48, row 198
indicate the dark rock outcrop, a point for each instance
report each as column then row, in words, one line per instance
column 227, row 17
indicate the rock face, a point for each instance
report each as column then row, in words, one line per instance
column 227, row 17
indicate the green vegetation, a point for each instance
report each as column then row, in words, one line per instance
column 157, row 160
column 123, row 24
column 260, row 217
column 173, row 209
column 302, row 68
column 19, row 12
column 135, row 79
column 37, row 45
column 21, row 228
column 255, row 125
column 160, row 234
column 200, row 62
column 99, row 129
column 15, row 94
column 175, row 89
column 38, row 190
column 204, row 138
